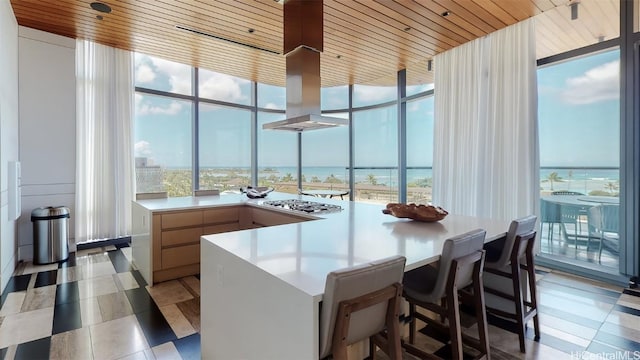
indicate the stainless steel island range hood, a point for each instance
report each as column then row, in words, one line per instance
column 303, row 43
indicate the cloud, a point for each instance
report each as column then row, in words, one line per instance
column 146, row 109
column 272, row 106
column 144, row 74
column 600, row 83
column 374, row 94
column 142, row 148
column 221, row 87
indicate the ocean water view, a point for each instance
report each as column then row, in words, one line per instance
column 371, row 182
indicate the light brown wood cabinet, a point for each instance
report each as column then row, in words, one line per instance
column 175, row 235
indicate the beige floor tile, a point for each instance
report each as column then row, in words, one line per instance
column 169, row 292
column 71, row 345
column 109, row 248
column 39, row 298
column 31, row 268
column 567, row 326
column 13, row 303
column 90, row 311
column 178, row 322
column 192, row 283
column 166, row 351
column 117, row 338
column 114, row 306
column 99, row 269
column 26, row 326
column 70, row 274
column 126, row 281
column 629, row 301
column 96, row 287
column 20, row 268
column 86, row 253
column 147, row 354
column 623, row 319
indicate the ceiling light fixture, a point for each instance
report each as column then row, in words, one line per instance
column 102, row 7
column 407, row 28
column 251, row 31
column 429, row 65
column 200, row 32
column 446, row 13
column 573, row 4
column 99, row 17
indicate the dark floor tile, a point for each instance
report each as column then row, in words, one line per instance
column 502, row 323
column 197, row 276
column 191, row 310
column 119, row 261
column 627, row 310
column 616, row 341
column 140, row 300
column 71, row 261
column 67, row 293
column 46, row 278
column 580, row 320
column 445, row 353
column 16, row 283
column 32, row 350
column 122, row 245
column 156, row 329
column 189, row 347
column 141, row 281
column 632, row 292
column 3, row 353
column 432, row 333
column 66, row 317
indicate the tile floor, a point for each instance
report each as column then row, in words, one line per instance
column 97, row 306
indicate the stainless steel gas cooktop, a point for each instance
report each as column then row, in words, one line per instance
column 311, row 207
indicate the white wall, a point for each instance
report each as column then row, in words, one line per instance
column 47, row 128
column 8, row 133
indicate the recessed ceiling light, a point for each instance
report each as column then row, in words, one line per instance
column 102, row 7
column 407, row 28
column 99, row 17
column 338, row 56
column 446, row 13
column 251, row 31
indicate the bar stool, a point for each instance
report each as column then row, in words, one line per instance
column 437, row 290
column 503, row 279
column 359, row 303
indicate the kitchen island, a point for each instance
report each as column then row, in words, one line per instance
column 261, row 289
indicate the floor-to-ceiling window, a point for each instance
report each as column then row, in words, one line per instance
column 579, row 122
column 200, row 137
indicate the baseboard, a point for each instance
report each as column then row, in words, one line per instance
column 106, row 242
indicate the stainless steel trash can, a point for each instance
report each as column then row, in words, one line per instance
column 50, row 234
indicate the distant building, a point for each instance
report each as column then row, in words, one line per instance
column 148, row 177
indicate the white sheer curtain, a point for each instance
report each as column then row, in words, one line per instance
column 104, row 160
column 486, row 160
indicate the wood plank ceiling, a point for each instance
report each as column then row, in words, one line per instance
column 365, row 41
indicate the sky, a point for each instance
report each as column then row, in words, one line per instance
column 578, row 120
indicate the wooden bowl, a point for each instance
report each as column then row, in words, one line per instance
column 426, row 213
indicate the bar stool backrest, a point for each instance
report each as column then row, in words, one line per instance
column 517, row 227
column 350, row 283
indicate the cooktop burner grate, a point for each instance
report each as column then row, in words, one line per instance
column 303, row 205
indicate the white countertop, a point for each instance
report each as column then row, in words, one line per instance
column 302, row 254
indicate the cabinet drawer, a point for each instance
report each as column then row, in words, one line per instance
column 182, row 219
column 180, row 256
column 216, row 229
column 182, row 236
column 223, row 215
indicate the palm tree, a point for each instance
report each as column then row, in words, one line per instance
column 611, row 186
column 288, row 178
column 372, row 179
column 553, row 177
